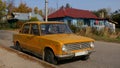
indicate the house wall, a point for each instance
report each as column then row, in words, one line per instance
column 79, row 22
column 82, row 22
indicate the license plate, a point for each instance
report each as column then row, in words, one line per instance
column 81, row 53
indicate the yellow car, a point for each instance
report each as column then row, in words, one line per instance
column 53, row 41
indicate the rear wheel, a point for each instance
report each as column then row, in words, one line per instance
column 18, row 46
column 85, row 57
column 49, row 56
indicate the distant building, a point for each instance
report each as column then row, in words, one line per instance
column 26, row 16
column 77, row 17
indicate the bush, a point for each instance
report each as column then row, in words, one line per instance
column 19, row 24
column 34, row 19
column 73, row 28
column 4, row 24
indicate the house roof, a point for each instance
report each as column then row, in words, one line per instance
column 72, row 12
column 26, row 16
column 21, row 16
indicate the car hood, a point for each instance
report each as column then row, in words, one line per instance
column 67, row 38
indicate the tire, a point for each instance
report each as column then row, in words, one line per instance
column 18, row 47
column 85, row 57
column 49, row 57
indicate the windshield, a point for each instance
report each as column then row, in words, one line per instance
column 54, row 29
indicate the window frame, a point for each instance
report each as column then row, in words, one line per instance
column 28, row 29
column 37, row 28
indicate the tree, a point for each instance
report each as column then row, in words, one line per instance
column 51, row 10
column 36, row 10
column 23, row 8
column 62, row 7
column 116, row 17
column 41, row 13
column 10, row 6
column 2, row 8
column 68, row 5
column 102, row 13
column 34, row 19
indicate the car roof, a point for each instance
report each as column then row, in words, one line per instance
column 38, row 22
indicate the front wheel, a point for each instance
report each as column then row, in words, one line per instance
column 85, row 57
column 49, row 56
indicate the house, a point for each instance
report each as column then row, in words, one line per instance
column 27, row 16
column 21, row 16
column 77, row 17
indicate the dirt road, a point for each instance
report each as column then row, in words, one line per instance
column 107, row 54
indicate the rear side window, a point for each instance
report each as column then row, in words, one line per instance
column 26, row 29
column 35, row 29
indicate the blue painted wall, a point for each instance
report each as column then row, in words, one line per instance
column 85, row 22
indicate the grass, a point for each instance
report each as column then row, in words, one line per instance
column 106, row 39
column 102, row 35
column 7, row 28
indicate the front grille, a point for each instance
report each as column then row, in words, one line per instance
column 77, row 46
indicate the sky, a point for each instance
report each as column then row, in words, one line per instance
column 79, row 4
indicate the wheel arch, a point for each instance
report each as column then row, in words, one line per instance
column 49, row 48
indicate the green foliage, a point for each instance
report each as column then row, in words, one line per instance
column 34, row 19
column 22, row 8
column 73, row 28
column 37, row 11
column 116, row 17
column 102, row 13
column 19, row 24
column 2, row 8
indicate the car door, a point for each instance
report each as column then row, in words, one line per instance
column 24, row 36
column 33, row 38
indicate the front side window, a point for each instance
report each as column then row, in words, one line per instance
column 26, row 29
column 54, row 29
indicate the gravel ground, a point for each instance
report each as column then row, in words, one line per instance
column 12, row 60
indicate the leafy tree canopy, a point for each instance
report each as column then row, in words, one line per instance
column 34, row 19
column 2, row 8
column 116, row 17
column 102, row 13
column 22, row 8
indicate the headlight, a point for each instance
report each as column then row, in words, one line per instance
column 92, row 44
column 64, row 48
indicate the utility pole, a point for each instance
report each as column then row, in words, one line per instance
column 46, row 10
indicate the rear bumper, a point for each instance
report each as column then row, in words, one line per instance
column 72, row 55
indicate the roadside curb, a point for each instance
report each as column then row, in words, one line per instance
column 27, row 57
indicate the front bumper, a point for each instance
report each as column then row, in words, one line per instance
column 72, row 55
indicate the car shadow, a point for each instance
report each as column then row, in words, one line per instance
column 61, row 62
column 66, row 61
column 26, row 52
